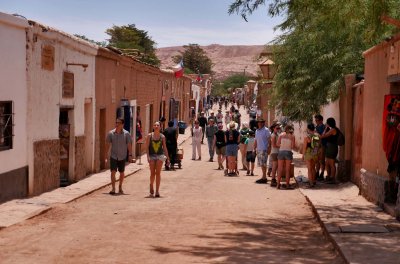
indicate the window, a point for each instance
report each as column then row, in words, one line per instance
column 6, row 125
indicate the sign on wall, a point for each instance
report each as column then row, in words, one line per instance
column 48, row 57
column 68, row 85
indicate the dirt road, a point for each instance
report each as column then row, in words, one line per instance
column 201, row 217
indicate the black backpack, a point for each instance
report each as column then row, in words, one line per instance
column 340, row 138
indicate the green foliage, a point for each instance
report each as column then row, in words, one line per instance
column 323, row 40
column 195, row 59
column 131, row 38
column 233, row 81
column 98, row 43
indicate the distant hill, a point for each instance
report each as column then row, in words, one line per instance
column 227, row 59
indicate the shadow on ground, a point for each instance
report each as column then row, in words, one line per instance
column 297, row 240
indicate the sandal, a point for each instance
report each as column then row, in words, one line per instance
column 157, row 195
column 112, row 192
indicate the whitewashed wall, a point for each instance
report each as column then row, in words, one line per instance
column 13, row 87
column 45, row 87
column 330, row 110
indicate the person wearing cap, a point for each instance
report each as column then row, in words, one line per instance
column 261, row 147
column 219, row 145
column 211, row 129
column 202, row 122
column 232, row 139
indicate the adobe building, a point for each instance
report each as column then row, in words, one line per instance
column 378, row 127
column 61, row 113
column 139, row 93
column 13, row 108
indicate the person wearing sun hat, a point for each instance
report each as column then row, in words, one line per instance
column 261, row 145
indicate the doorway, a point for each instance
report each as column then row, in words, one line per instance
column 64, row 132
column 102, row 138
column 89, row 137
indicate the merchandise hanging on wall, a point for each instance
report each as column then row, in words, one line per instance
column 391, row 132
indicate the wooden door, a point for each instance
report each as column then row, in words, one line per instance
column 102, row 137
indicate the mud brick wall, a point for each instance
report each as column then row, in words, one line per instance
column 373, row 187
column 80, row 163
column 46, row 165
column 14, row 184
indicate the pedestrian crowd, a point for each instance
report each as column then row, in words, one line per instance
column 226, row 136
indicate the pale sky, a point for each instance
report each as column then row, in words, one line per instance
column 168, row 22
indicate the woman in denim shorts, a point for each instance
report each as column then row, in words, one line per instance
column 232, row 139
column 286, row 142
column 157, row 153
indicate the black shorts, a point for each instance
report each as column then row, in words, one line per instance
column 250, row 156
column 117, row 164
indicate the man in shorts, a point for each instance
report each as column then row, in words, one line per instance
column 120, row 142
column 261, row 146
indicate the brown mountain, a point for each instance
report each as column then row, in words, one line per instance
column 226, row 59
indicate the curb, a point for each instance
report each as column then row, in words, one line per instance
column 325, row 230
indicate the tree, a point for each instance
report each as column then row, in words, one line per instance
column 99, row 43
column 195, row 59
column 233, row 81
column 316, row 51
column 134, row 41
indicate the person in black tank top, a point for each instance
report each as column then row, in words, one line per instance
column 331, row 151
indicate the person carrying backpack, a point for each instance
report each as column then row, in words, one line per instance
column 311, row 146
column 331, row 134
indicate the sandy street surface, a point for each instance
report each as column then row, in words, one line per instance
column 201, row 217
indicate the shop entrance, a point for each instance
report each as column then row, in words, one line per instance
column 64, row 131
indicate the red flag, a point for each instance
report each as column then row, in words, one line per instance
column 178, row 69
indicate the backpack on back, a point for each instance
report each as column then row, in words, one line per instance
column 340, row 138
column 315, row 144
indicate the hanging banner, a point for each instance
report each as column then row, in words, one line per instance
column 391, row 130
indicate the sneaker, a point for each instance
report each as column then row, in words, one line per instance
column 273, row 183
column 262, row 181
column 225, row 172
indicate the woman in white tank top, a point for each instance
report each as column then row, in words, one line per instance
column 286, row 142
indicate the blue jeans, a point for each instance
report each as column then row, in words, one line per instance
column 210, row 141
